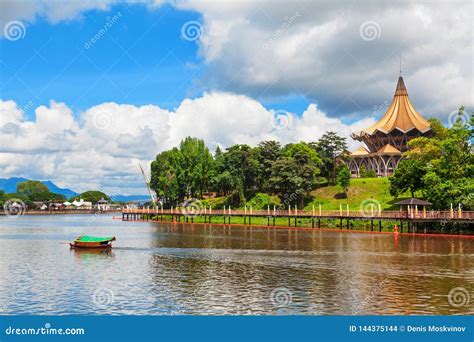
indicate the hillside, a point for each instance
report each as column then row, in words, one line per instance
column 9, row 186
column 361, row 189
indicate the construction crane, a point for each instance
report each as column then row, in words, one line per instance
column 150, row 191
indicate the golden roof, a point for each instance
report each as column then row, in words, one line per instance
column 401, row 115
column 361, row 151
column 389, row 149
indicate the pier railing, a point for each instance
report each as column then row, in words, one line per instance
column 346, row 214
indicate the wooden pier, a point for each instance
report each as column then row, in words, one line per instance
column 410, row 219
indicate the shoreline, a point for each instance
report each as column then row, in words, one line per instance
column 230, row 225
column 62, row 212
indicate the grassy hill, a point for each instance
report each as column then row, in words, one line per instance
column 330, row 197
column 361, row 189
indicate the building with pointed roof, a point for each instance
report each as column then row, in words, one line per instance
column 386, row 140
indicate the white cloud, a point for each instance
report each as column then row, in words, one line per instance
column 54, row 10
column 316, row 49
column 101, row 147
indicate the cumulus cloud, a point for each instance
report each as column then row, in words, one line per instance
column 54, row 11
column 101, row 147
column 342, row 55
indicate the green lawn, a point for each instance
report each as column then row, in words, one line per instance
column 361, row 189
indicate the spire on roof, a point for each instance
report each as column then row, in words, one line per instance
column 401, row 89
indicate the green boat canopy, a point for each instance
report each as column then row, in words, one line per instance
column 87, row 238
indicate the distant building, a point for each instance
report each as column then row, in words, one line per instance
column 386, row 140
column 81, row 204
column 103, row 205
column 39, row 205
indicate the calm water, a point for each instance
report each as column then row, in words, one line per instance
column 186, row 269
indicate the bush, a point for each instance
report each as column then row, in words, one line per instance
column 364, row 173
column 261, row 201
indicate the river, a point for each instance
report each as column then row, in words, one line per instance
column 174, row 269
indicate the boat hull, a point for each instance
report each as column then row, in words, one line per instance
column 90, row 245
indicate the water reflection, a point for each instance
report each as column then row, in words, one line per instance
column 203, row 269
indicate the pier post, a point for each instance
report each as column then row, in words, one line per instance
column 401, row 226
column 319, row 222
column 245, row 215
column 340, row 223
column 372, row 224
column 380, row 225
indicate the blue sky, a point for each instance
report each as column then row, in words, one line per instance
column 160, row 67
column 84, row 113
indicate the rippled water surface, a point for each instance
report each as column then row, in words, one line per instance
column 196, row 269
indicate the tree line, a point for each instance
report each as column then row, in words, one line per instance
column 240, row 171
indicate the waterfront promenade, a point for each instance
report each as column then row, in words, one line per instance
column 409, row 218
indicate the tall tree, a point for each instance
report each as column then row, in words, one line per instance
column 268, row 152
column 329, row 147
column 294, row 173
column 165, row 177
column 196, row 163
column 407, row 177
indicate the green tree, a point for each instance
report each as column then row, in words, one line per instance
column 268, row 152
column 344, row 179
column 165, row 177
column 407, row 177
column 92, row 196
column 31, row 187
column 295, row 173
column 241, row 163
column 196, row 163
column 329, row 147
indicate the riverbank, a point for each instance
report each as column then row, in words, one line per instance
column 60, row 212
column 382, row 226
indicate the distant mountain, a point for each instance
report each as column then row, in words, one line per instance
column 9, row 185
column 68, row 193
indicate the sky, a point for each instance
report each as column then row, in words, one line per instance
column 90, row 89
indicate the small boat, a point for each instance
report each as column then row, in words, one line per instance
column 92, row 242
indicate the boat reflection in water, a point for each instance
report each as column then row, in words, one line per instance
column 85, row 254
